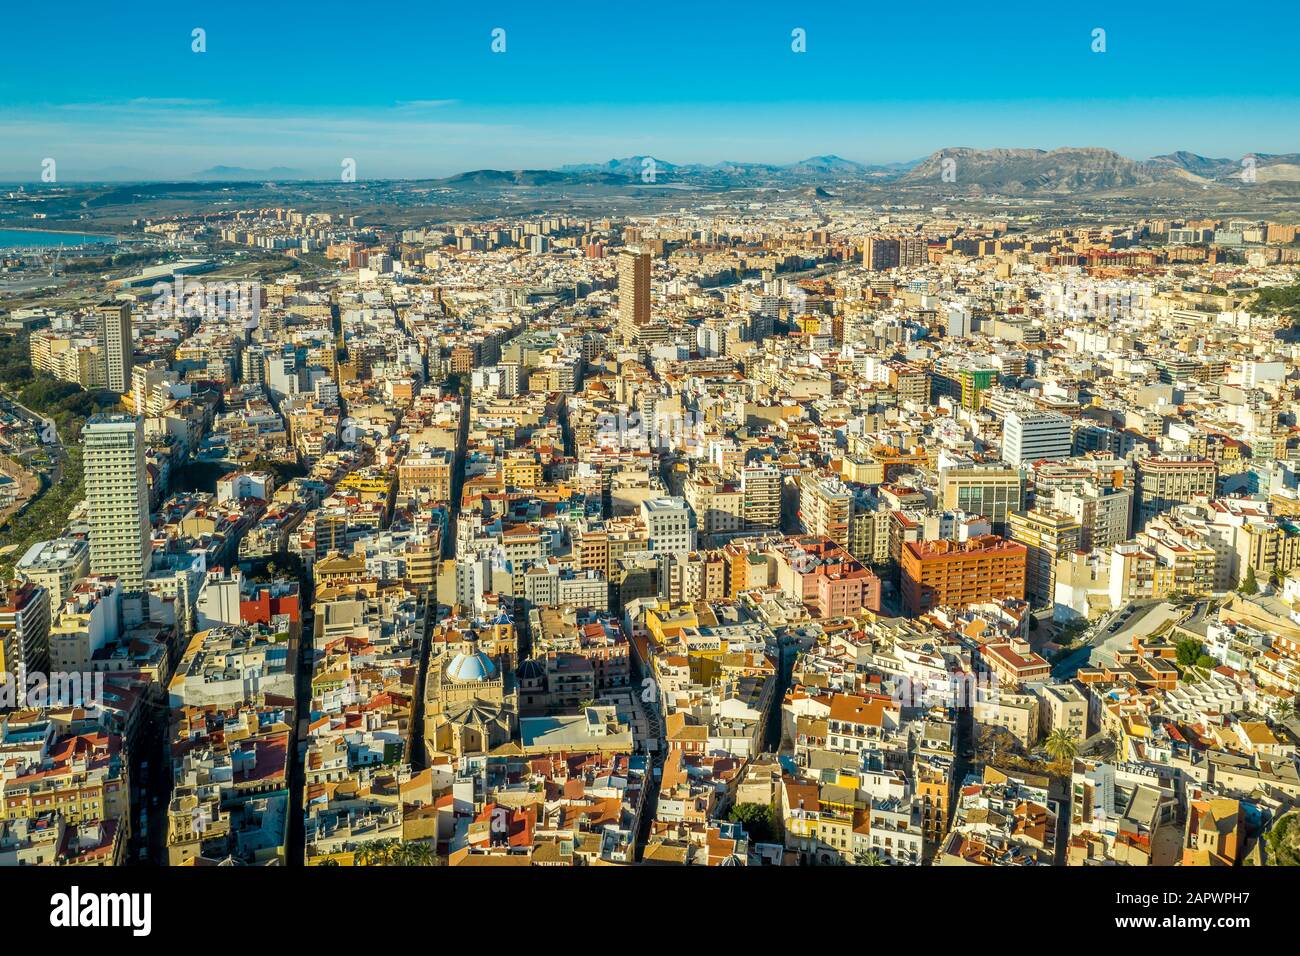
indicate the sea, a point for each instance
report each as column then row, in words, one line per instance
column 24, row 239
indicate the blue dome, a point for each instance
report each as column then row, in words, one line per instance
column 465, row 668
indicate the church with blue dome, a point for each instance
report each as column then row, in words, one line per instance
column 472, row 667
column 471, row 697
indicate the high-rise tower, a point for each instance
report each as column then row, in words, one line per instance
column 115, row 346
column 117, row 495
column 633, row 288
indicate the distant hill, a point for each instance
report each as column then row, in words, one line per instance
column 628, row 167
column 1192, row 163
column 526, row 177
column 1018, row 171
column 827, row 165
column 1065, row 171
column 644, row 170
column 240, row 174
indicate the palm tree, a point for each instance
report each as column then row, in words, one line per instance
column 397, row 855
column 1061, row 744
column 871, row 859
column 365, row 855
column 415, row 854
column 377, row 853
column 1284, row 709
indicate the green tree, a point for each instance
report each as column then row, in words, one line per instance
column 1248, row 583
column 284, row 471
column 1280, row 301
column 757, row 820
column 1283, row 840
column 1061, row 744
column 1206, row 662
column 1188, row 650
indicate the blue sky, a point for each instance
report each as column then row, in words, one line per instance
column 414, row 89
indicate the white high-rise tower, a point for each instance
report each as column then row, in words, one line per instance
column 117, row 493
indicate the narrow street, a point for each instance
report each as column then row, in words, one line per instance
column 295, row 839
column 151, row 784
column 655, row 768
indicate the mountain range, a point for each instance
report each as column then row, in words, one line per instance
column 1067, row 171
column 1014, row 172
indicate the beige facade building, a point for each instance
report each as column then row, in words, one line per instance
column 1048, row 535
column 633, row 289
column 825, row 507
column 1163, row 483
column 115, row 344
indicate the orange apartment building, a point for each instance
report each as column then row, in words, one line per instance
column 983, row 568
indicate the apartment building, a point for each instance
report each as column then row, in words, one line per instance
column 1164, row 483
column 633, row 289
column 985, row 568
column 670, row 524
column 719, row 507
column 55, row 565
column 429, row 470
column 24, row 629
column 991, row 490
column 1048, row 535
column 113, row 324
column 825, row 508
column 760, row 487
column 117, row 496
column 1104, row 514
column 1034, row 436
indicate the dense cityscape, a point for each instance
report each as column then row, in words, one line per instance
column 764, row 534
